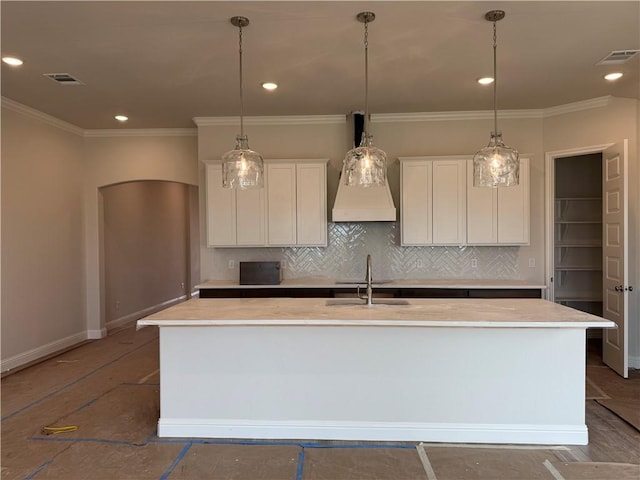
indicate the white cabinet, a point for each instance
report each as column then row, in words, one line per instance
column 234, row 217
column 290, row 211
column 296, row 202
column 498, row 216
column 433, row 205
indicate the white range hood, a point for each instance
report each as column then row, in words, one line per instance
column 363, row 204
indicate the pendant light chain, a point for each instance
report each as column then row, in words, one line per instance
column 241, row 98
column 495, row 80
column 366, row 77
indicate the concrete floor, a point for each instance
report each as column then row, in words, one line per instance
column 109, row 390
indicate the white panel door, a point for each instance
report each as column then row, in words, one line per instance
column 220, row 208
column 416, row 195
column 482, row 212
column 513, row 209
column 311, row 205
column 281, row 203
column 615, row 256
column 449, row 202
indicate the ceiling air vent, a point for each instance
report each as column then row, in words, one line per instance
column 617, row 57
column 63, row 78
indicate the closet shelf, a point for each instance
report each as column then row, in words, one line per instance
column 593, row 222
column 577, row 199
column 577, row 297
column 579, row 243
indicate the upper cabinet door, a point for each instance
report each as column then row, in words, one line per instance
column 311, row 212
column 221, row 209
column 415, row 202
column 250, row 217
column 234, row 217
column 498, row 216
column 281, row 203
column 449, row 202
column 482, row 212
column 513, row 210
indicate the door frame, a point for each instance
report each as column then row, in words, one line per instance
column 549, row 205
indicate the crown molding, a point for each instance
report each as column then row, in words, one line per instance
column 577, row 106
column 462, row 115
column 271, row 120
column 41, row 116
column 143, row 132
column 488, row 114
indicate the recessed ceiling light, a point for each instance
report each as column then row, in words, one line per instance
column 485, row 81
column 613, row 76
column 13, row 61
column 121, row 118
column 269, row 86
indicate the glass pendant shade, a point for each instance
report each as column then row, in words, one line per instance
column 366, row 165
column 496, row 165
column 242, row 167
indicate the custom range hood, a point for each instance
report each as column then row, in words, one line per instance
column 362, row 204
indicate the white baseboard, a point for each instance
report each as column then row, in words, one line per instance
column 634, row 362
column 132, row 317
column 375, row 431
column 42, row 351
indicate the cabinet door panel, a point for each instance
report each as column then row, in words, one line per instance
column 311, row 212
column 513, row 209
column 416, row 217
column 281, row 204
column 221, row 209
column 449, row 206
column 482, row 212
column 250, row 217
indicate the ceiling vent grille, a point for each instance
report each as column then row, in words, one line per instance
column 617, row 57
column 63, row 78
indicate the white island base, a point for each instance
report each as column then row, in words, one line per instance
column 434, row 371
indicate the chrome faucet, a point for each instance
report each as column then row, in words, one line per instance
column 368, row 278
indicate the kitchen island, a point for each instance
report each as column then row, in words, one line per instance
column 438, row 370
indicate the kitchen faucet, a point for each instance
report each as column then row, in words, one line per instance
column 369, row 280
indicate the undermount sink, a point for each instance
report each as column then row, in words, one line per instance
column 349, row 302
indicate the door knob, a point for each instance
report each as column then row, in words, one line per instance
column 618, row 288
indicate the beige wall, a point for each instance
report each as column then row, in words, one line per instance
column 600, row 126
column 43, row 288
column 146, row 247
column 123, row 158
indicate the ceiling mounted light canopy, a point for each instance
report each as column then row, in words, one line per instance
column 242, row 167
column 496, row 165
column 365, row 165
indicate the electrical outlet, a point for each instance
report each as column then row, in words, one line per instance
column 182, row 285
column 232, row 264
column 532, row 262
column 419, row 263
column 474, row 263
column 117, row 305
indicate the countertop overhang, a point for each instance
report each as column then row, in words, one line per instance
column 457, row 312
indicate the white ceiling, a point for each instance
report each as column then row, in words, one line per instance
column 163, row 63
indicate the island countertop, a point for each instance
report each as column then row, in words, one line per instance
column 419, row 312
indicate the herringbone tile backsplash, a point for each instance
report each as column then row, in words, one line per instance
column 349, row 243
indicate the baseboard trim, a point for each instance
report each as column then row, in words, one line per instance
column 375, row 431
column 38, row 353
column 634, row 362
column 132, row 317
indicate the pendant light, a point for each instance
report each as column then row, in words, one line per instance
column 242, row 167
column 496, row 165
column 366, row 165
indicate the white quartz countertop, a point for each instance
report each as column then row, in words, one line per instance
column 429, row 312
column 324, row 282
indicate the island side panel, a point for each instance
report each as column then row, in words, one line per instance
column 494, row 385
